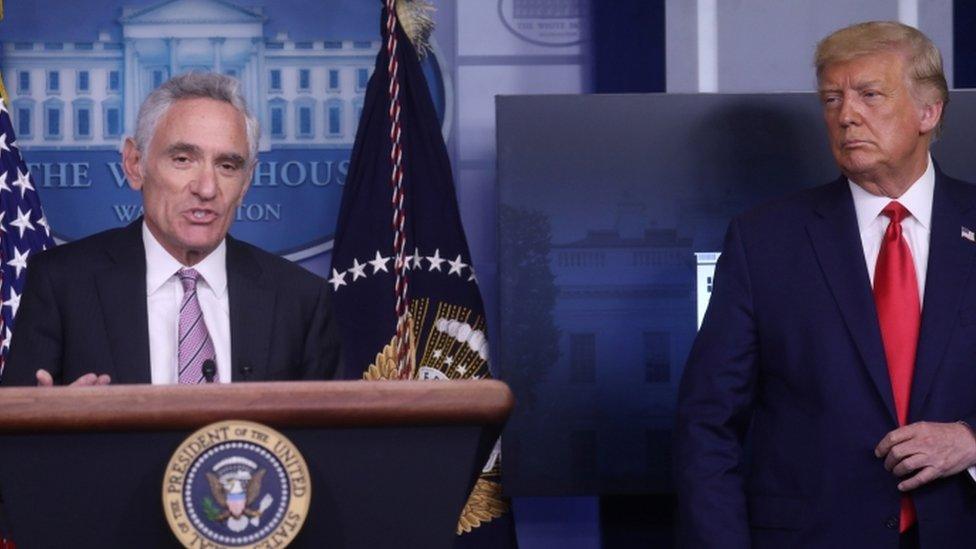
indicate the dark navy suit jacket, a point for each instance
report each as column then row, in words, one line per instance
column 84, row 310
column 786, row 392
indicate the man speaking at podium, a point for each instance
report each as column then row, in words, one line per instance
column 828, row 399
column 172, row 298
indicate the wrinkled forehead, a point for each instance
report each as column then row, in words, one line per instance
column 204, row 123
column 884, row 65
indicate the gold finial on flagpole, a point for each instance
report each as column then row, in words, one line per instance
column 417, row 21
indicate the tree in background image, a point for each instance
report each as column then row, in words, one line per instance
column 529, row 338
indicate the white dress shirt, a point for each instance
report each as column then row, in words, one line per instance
column 916, row 228
column 164, row 292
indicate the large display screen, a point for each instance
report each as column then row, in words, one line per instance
column 612, row 210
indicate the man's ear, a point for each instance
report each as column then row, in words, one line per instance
column 931, row 114
column 132, row 164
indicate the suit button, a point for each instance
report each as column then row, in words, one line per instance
column 892, row 523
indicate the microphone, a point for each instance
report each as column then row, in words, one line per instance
column 246, row 370
column 209, row 370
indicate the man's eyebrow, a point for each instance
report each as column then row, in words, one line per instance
column 182, row 147
column 868, row 84
column 234, row 158
column 828, row 88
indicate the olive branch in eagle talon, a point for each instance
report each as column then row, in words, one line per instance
column 210, row 509
column 484, row 504
column 385, row 365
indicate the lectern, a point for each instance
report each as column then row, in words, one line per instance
column 390, row 464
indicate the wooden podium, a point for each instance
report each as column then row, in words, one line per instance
column 391, row 463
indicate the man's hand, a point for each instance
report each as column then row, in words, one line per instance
column 930, row 450
column 44, row 379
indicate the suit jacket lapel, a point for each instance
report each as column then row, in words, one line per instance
column 122, row 293
column 949, row 266
column 837, row 243
column 252, row 301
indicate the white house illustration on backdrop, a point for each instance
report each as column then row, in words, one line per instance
column 85, row 95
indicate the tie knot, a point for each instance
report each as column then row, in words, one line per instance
column 189, row 279
column 896, row 212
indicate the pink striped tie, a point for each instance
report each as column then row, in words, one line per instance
column 195, row 344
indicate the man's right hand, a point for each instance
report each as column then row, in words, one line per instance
column 44, row 379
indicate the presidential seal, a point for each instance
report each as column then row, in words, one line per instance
column 236, row 484
column 551, row 23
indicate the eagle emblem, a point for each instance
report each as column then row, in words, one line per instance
column 235, row 484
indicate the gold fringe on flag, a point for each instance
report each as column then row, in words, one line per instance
column 3, row 90
column 1, row 10
column 417, row 21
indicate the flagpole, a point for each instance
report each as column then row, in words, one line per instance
column 3, row 90
column 396, row 183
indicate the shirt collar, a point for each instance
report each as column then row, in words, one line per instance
column 917, row 199
column 161, row 266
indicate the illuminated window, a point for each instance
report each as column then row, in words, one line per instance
column 23, row 82
column 112, row 118
column 114, row 81
column 83, row 119
column 334, row 117
column 275, row 80
column 53, row 110
column 304, row 117
column 83, row 81
column 53, row 81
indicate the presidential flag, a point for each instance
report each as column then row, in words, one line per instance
column 24, row 230
column 405, row 290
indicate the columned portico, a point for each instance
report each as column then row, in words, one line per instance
column 217, row 44
column 161, row 38
column 172, row 45
column 259, row 85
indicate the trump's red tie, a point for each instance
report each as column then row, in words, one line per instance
column 899, row 314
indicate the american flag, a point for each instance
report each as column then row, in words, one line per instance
column 24, row 230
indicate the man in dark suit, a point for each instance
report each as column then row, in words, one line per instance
column 171, row 298
column 828, row 397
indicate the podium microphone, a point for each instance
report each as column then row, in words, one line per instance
column 209, row 370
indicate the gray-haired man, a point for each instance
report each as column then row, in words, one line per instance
column 172, row 298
